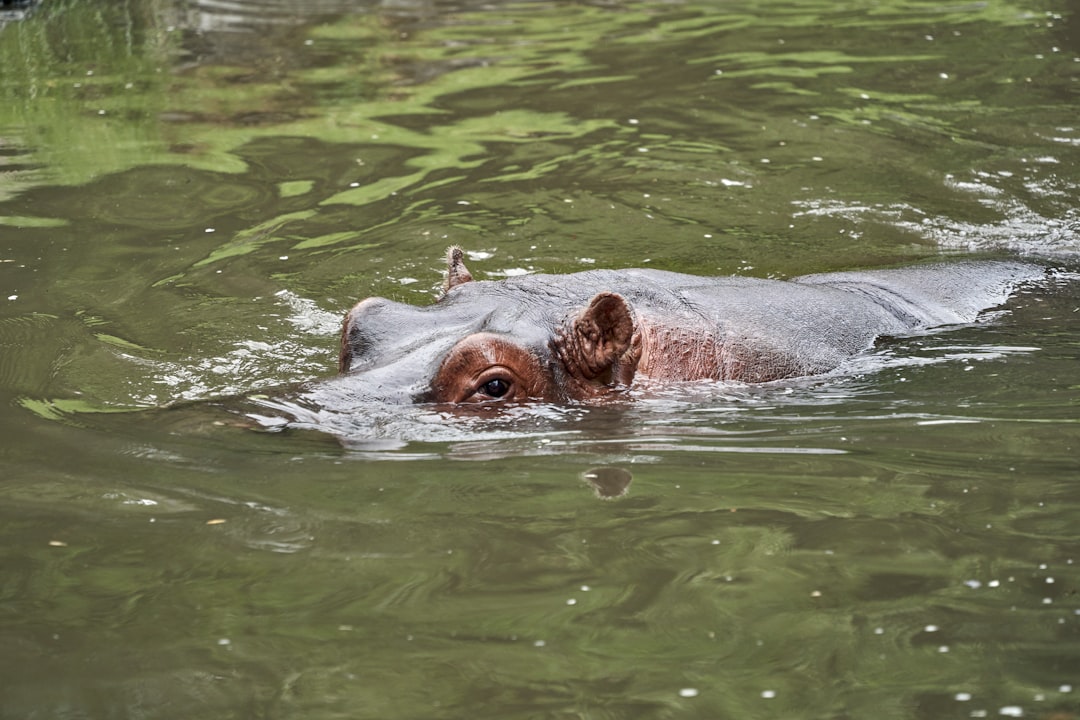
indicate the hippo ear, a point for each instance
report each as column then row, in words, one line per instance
column 594, row 342
column 456, row 272
column 345, row 353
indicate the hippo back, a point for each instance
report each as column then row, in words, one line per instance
column 768, row 330
column 926, row 296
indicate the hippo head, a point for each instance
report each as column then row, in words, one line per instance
column 527, row 338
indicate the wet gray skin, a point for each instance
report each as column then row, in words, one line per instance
column 561, row 338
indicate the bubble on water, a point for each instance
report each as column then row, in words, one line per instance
column 1011, row 711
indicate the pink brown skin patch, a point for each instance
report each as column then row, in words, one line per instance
column 592, row 348
column 486, row 367
column 596, row 342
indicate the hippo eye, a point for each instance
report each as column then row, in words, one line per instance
column 496, row 387
column 497, row 382
column 490, row 370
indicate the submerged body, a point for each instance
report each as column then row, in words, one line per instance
column 577, row 336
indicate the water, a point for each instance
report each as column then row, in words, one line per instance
column 190, row 197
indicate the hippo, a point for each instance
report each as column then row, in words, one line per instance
column 586, row 335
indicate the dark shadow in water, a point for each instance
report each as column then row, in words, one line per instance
column 609, row 483
column 15, row 10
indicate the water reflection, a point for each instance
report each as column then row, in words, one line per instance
column 608, row 482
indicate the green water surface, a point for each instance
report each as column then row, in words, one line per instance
column 191, row 197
